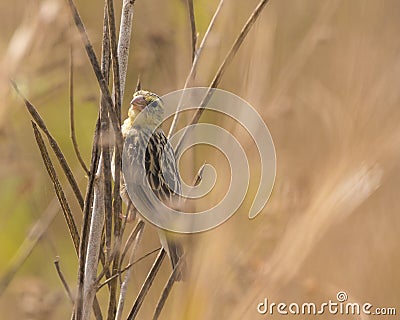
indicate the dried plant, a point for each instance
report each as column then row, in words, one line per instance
column 328, row 93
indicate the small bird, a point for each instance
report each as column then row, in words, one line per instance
column 151, row 157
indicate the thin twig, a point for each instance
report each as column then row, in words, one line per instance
column 105, row 154
column 118, row 227
column 129, row 242
column 137, row 236
column 96, row 68
column 26, row 248
column 57, row 187
column 112, row 38
column 199, row 175
column 147, row 284
column 124, row 41
column 105, row 135
column 167, row 288
column 228, row 59
column 62, row 278
column 193, row 68
column 54, row 145
column 71, row 113
column 130, row 265
column 86, row 219
column 105, row 46
column 118, row 233
column 115, row 59
column 93, row 247
column 192, row 28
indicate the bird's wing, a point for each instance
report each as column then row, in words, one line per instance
column 170, row 183
column 153, row 163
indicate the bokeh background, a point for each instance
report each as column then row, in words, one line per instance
column 324, row 75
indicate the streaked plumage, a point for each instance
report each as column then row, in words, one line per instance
column 154, row 162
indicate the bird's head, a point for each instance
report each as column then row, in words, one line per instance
column 146, row 109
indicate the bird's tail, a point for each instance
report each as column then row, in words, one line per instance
column 175, row 252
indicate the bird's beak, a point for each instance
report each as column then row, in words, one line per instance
column 138, row 103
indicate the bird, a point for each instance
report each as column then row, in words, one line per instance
column 150, row 157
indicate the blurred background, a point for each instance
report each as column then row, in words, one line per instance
column 324, row 75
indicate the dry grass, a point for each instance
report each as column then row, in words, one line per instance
column 323, row 75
